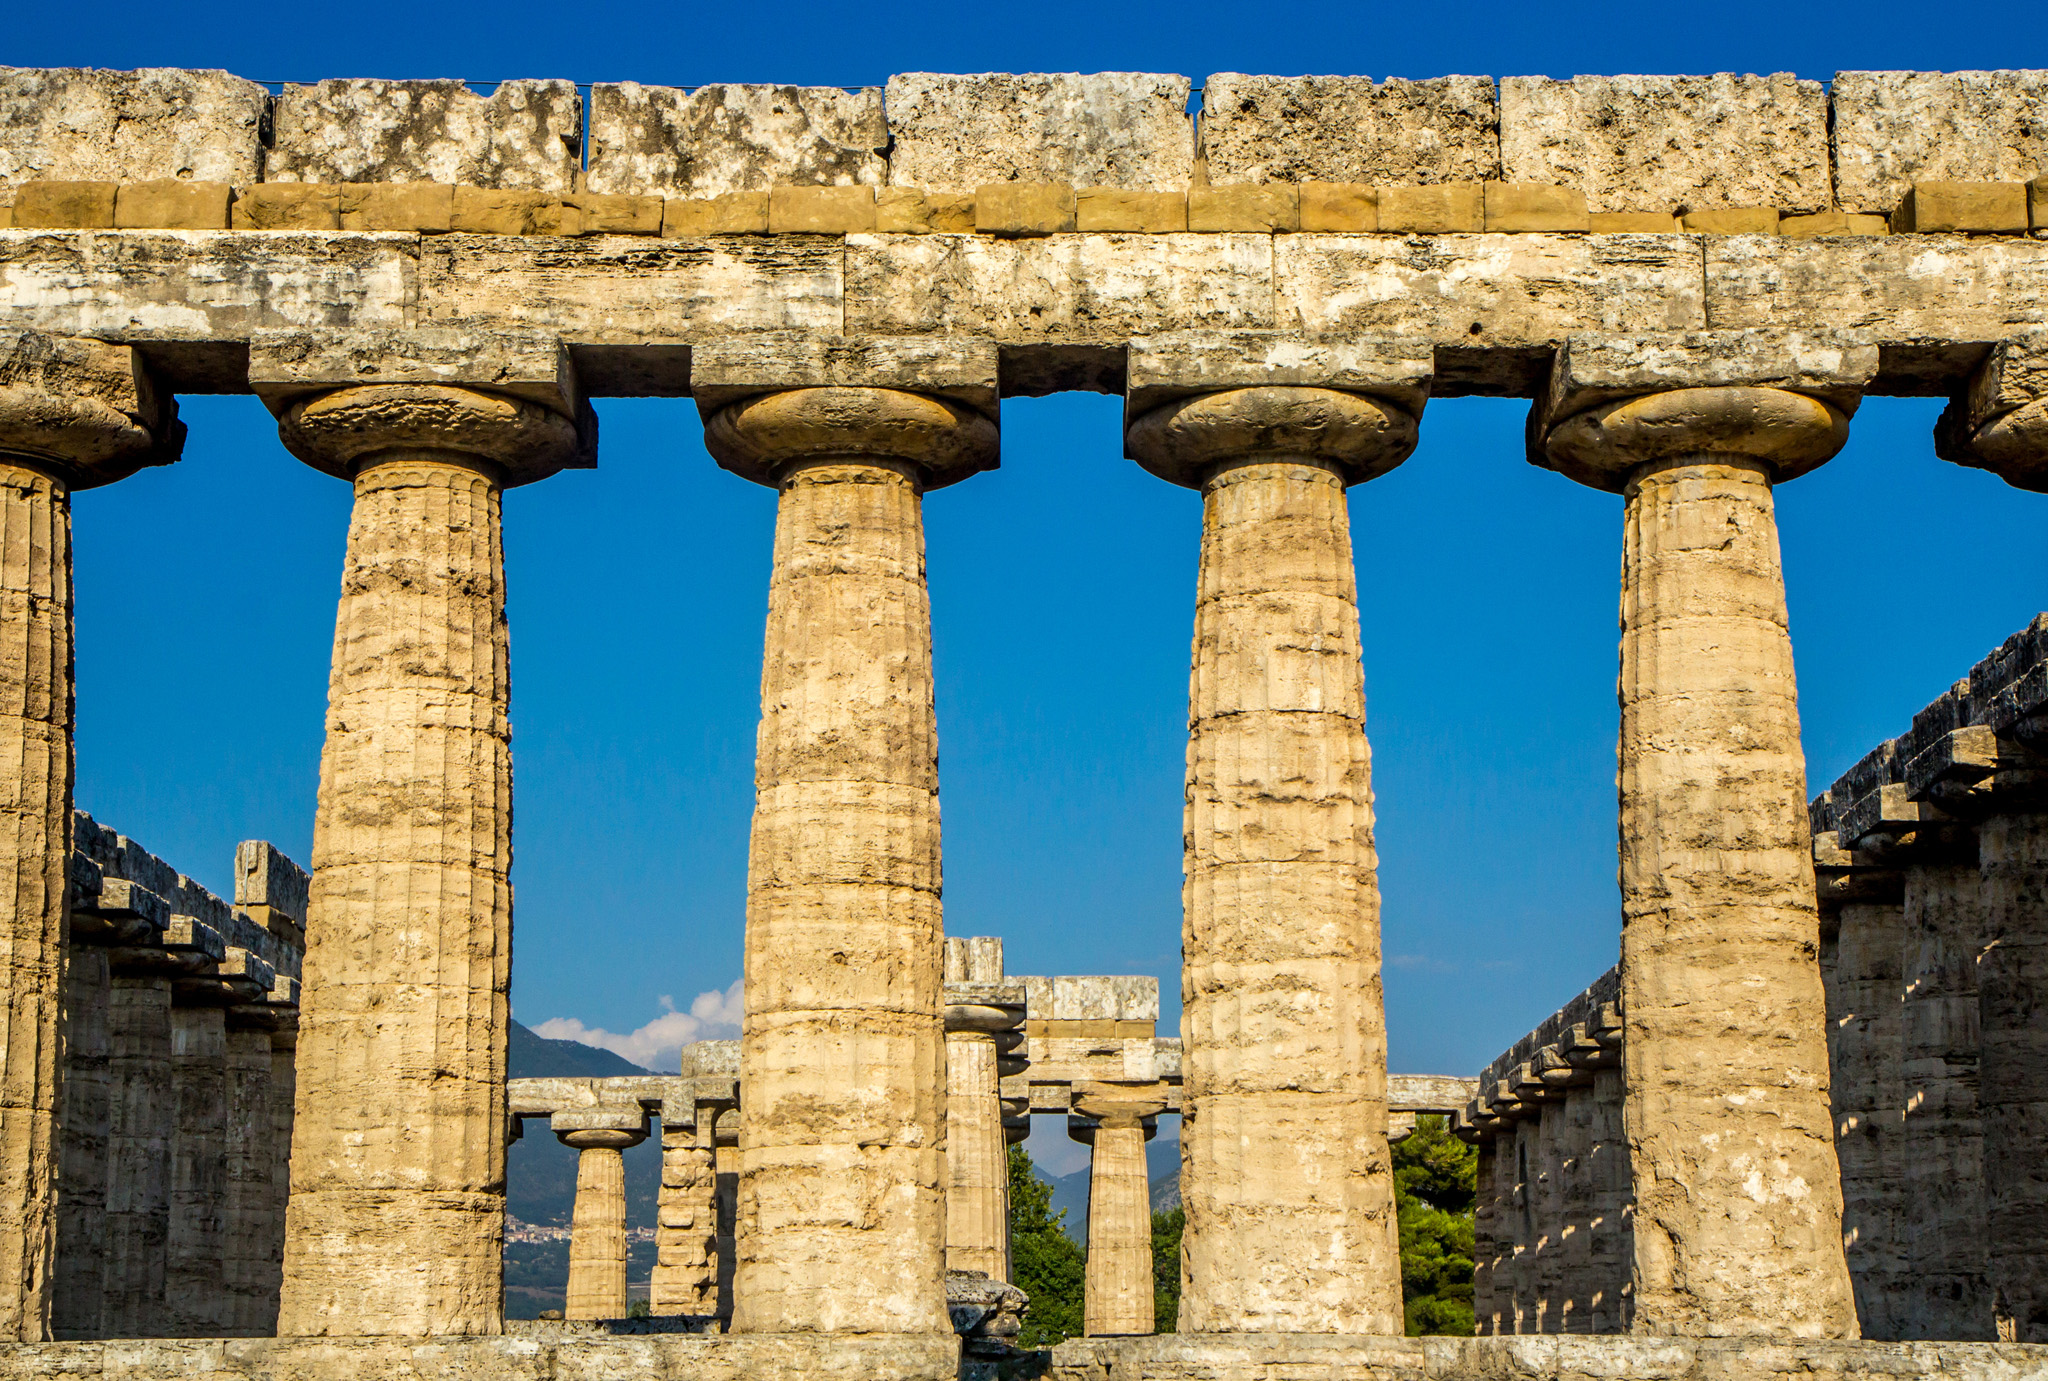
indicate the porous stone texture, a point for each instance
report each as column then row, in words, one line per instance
column 533, row 1356
column 1349, row 129
column 670, row 142
column 1100, row 129
column 1892, row 129
column 1285, row 1171
column 84, row 124
column 841, row 1224
column 526, row 134
column 398, row 1164
column 1738, row 1197
column 685, row 1276
column 1665, row 143
column 1308, row 1357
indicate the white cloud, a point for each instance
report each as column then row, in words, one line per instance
column 659, row 1044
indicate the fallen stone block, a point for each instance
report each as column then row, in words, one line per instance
column 1104, row 129
column 1349, row 129
column 668, row 142
column 1648, row 143
column 526, row 134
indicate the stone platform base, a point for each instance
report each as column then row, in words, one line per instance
column 1323, row 1357
column 656, row 1357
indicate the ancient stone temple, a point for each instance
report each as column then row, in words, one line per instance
column 1799, row 1121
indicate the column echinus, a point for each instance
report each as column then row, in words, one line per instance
column 73, row 414
column 1285, row 1172
column 1738, row 1214
column 841, row 1215
column 396, row 1217
column 2000, row 424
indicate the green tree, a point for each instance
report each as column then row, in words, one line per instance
column 1166, row 1227
column 1435, row 1182
column 1044, row 1262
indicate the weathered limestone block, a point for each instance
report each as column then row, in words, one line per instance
column 1103, row 129
column 1350, row 129
column 2000, row 421
column 398, row 1169
column 80, row 1279
column 84, row 124
column 670, row 142
column 1892, row 129
column 251, row 1226
column 840, row 1210
column 685, row 1276
column 526, row 134
column 195, row 1295
column 1721, row 993
column 1071, row 287
column 1660, row 143
column 1285, row 1171
column 1520, row 291
column 138, row 1154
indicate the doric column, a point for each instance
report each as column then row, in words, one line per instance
column 981, row 1015
column 1117, row 1122
column 1738, row 1200
column 396, row 1218
column 842, row 1056
column 1286, row 1177
column 73, row 414
column 597, row 1225
column 245, row 1207
column 685, row 1278
column 138, row 1145
column 2001, row 424
column 81, row 1247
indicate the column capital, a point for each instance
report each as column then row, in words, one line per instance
column 1616, row 405
column 600, row 1129
column 82, row 411
column 504, row 403
column 2000, row 420
column 1198, row 400
column 778, row 399
column 1116, row 1105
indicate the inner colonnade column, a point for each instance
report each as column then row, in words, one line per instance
column 2000, row 424
column 73, row 414
column 1738, row 1199
column 1116, row 1122
column 1286, row 1176
column 841, row 1213
column 597, row 1224
column 396, row 1217
column 984, row 1021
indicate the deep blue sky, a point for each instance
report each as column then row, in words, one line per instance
column 1061, row 584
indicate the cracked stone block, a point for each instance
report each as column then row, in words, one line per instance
column 525, row 135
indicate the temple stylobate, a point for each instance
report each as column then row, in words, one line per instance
column 1696, row 281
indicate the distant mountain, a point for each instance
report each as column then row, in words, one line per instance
column 540, row 1177
column 537, row 1057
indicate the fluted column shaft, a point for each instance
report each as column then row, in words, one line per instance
column 685, row 1279
column 1862, row 985
column 396, row 1217
column 81, row 1253
column 597, row 1226
column 1738, row 1216
column 248, row 1228
column 1118, row 1289
column 35, row 837
column 138, row 1155
column 841, row 1223
column 977, row 1158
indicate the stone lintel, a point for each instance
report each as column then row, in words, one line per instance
column 1959, row 758
column 1163, row 368
column 188, row 933
column 1127, row 997
column 118, row 897
column 961, row 368
column 1429, row 1093
column 533, row 365
column 1591, row 370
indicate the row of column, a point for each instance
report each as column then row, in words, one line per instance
column 395, row 1221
